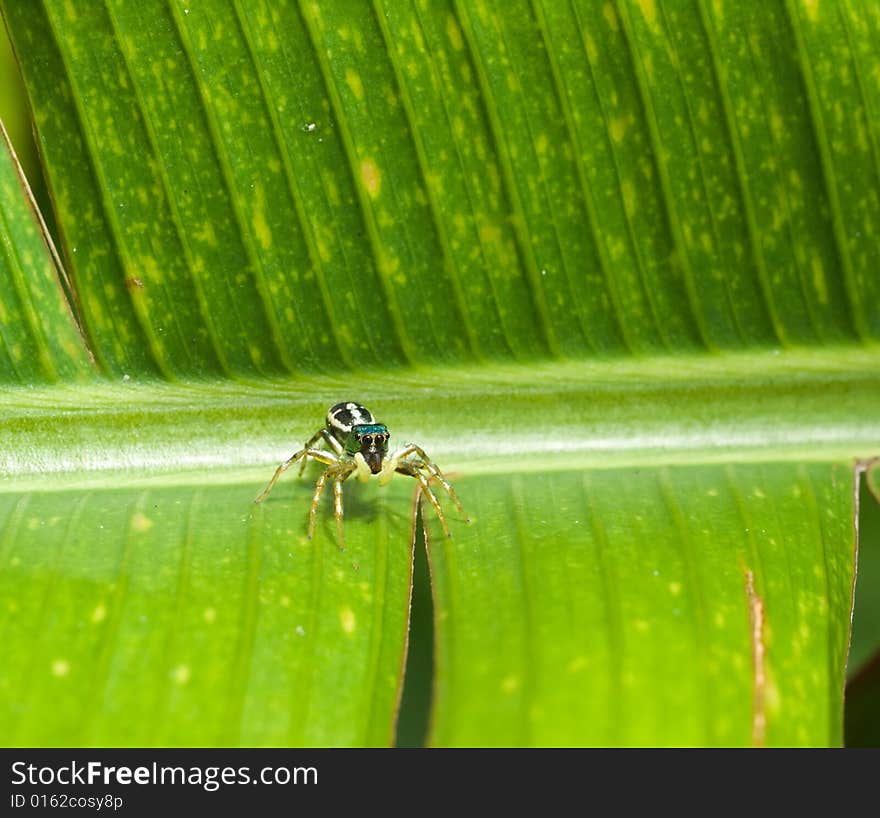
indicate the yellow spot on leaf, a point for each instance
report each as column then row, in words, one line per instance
column 140, row 522
column 353, row 81
column 348, row 620
column 209, row 615
column 577, row 664
column 610, row 16
column 323, row 250
column 205, row 233
column 454, row 33
column 541, row 143
column 60, row 667
column 649, row 11
column 590, row 47
column 258, row 218
column 510, row 684
column 372, row 177
column 617, row 128
column 181, row 674
column 629, row 196
column 99, row 614
column 819, row 280
column 812, row 9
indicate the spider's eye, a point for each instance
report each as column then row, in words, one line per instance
column 368, row 439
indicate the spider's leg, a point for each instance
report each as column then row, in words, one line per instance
column 300, row 455
column 437, row 475
column 434, row 470
column 426, row 488
column 311, row 442
column 313, row 510
column 321, row 434
column 338, row 480
column 324, row 457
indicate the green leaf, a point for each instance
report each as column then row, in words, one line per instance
column 536, row 486
column 515, row 235
column 683, row 606
column 38, row 338
column 284, row 187
column 174, row 615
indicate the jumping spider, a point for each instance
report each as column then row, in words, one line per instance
column 360, row 445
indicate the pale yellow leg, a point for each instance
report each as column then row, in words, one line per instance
column 313, row 511
column 278, row 472
column 433, row 470
column 327, row 458
column 337, row 511
column 423, row 482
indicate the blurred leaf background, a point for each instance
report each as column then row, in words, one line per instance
column 247, row 191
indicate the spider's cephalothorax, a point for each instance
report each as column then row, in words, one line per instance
column 358, row 444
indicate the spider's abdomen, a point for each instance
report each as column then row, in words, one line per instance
column 342, row 416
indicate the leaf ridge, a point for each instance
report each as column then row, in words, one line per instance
column 857, row 319
column 115, row 231
column 615, row 632
column 525, row 554
column 630, row 228
column 184, row 571
column 295, row 193
column 586, row 190
column 405, row 343
column 673, row 221
column 748, row 205
column 418, row 147
column 254, row 260
column 704, row 187
column 179, row 231
column 694, row 589
column 527, row 253
column 243, row 658
column 111, row 628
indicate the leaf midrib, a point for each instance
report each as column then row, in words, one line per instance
column 806, row 405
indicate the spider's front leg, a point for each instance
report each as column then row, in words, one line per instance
column 423, row 469
column 412, row 468
column 321, row 434
column 396, row 461
column 303, row 454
